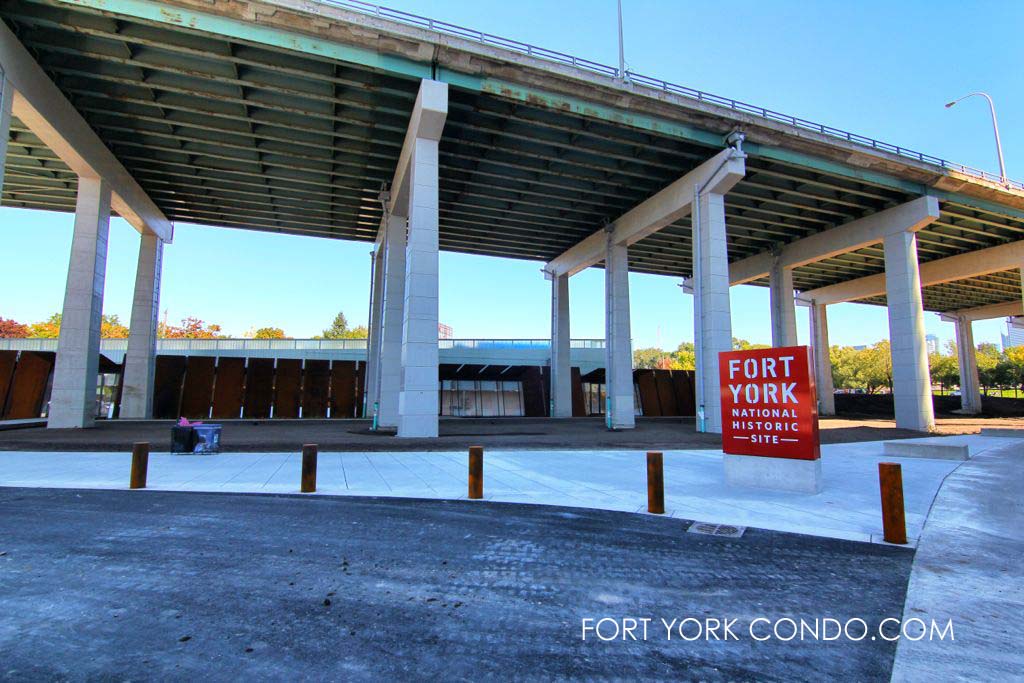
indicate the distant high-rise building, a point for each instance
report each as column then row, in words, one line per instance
column 444, row 331
column 932, row 342
column 1014, row 335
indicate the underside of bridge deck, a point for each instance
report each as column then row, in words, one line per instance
column 238, row 133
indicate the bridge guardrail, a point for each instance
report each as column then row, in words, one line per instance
column 234, row 344
column 659, row 84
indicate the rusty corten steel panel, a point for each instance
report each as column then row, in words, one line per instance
column 666, row 392
column 685, row 389
column 645, row 382
column 8, row 360
column 259, row 388
column 167, row 380
column 343, row 388
column 360, row 386
column 198, row 392
column 28, row 388
column 315, row 388
column 533, row 392
column 227, row 389
column 579, row 408
column 287, row 388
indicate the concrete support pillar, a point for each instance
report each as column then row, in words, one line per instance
column 618, row 352
column 73, row 397
column 375, row 328
column 140, row 358
column 822, row 360
column 6, row 98
column 912, row 392
column 783, row 306
column 712, row 321
column 561, row 365
column 393, row 314
column 967, row 358
column 418, row 404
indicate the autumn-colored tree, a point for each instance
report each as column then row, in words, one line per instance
column 12, row 329
column 190, row 328
column 47, row 329
column 269, row 333
column 112, row 328
column 682, row 358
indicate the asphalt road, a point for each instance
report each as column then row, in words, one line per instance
column 122, row 585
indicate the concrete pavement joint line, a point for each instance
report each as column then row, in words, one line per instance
column 496, row 463
column 246, row 468
column 581, row 484
column 271, row 477
column 398, row 460
column 344, row 474
column 374, row 468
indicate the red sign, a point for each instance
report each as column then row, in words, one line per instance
column 769, row 405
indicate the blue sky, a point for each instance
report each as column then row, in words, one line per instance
column 881, row 69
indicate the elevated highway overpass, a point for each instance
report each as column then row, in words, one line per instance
column 349, row 121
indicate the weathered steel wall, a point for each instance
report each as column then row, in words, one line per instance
column 170, row 373
column 259, row 388
column 198, row 391
column 27, row 388
column 343, row 388
column 316, row 387
column 287, row 388
column 228, row 387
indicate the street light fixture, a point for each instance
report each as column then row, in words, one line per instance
column 995, row 128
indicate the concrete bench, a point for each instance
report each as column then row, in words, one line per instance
column 927, row 448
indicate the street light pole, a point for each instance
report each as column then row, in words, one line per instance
column 622, row 49
column 995, row 129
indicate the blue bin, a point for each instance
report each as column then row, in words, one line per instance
column 207, row 438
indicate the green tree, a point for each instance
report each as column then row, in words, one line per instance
column 944, row 369
column 685, row 357
column 868, row 369
column 339, row 329
column 743, row 345
column 988, row 357
column 648, row 358
column 1015, row 360
column 844, row 368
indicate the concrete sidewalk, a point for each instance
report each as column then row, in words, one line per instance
column 848, row 508
column 968, row 569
